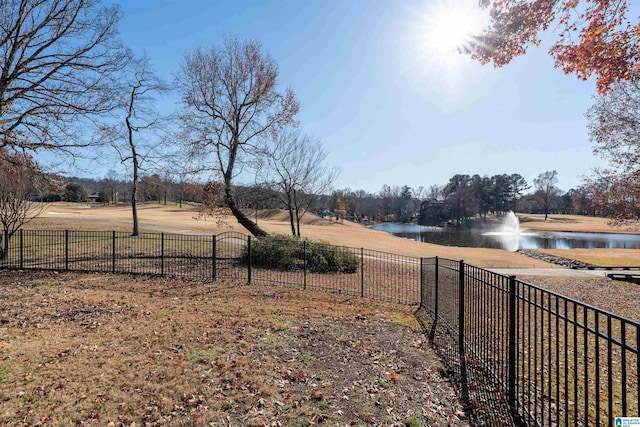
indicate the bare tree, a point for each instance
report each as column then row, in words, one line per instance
column 57, row 60
column 295, row 167
column 140, row 116
column 436, row 193
column 230, row 104
column 546, row 190
column 17, row 184
column 614, row 128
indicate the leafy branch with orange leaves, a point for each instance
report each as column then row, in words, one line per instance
column 596, row 37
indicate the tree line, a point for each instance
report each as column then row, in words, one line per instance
column 464, row 198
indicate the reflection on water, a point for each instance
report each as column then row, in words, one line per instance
column 510, row 241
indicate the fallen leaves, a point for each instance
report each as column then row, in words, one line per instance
column 217, row 354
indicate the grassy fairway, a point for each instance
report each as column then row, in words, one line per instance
column 157, row 217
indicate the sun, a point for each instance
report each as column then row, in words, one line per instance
column 447, row 28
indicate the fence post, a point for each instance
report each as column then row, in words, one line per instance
column 362, row 272
column 461, row 308
column 464, row 379
column 162, row 254
column 422, row 282
column 513, row 313
column 21, row 235
column 435, row 304
column 113, row 251
column 304, row 252
column 214, row 258
column 5, row 247
column 66, row 250
column 249, row 259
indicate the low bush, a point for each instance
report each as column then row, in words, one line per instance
column 290, row 253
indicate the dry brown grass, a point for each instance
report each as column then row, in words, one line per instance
column 572, row 223
column 600, row 257
column 113, row 350
column 615, row 296
column 173, row 219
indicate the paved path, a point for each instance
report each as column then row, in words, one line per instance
column 553, row 272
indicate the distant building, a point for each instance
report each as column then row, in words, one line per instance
column 433, row 212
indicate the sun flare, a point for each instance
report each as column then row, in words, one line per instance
column 447, row 29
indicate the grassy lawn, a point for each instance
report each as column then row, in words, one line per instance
column 116, row 350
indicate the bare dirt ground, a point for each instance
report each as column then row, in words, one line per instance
column 121, row 351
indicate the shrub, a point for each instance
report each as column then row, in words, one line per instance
column 289, row 253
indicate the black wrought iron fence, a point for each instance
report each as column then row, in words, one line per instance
column 552, row 360
column 161, row 254
column 540, row 358
column 374, row 274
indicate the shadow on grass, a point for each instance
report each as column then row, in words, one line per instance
column 484, row 399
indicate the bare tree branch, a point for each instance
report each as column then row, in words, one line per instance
column 137, row 116
column 58, row 61
column 614, row 128
column 295, row 167
column 18, row 183
column 230, row 105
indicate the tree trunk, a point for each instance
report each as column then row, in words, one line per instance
column 244, row 220
column 290, row 209
column 297, row 210
column 4, row 247
column 298, row 221
column 134, row 191
column 6, row 236
column 134, row 160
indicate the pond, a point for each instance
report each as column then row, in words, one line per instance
column 522, row 239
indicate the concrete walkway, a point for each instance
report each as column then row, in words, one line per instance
column 551, row 272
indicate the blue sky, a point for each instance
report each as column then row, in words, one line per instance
column 386, row 108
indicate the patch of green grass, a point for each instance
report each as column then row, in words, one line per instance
column 268, row 338
column 408, row 321
column 159, row 314
column 205, row 355
column 4, row 373
column 301, row 421
column 413, row 421
column 307, row 357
